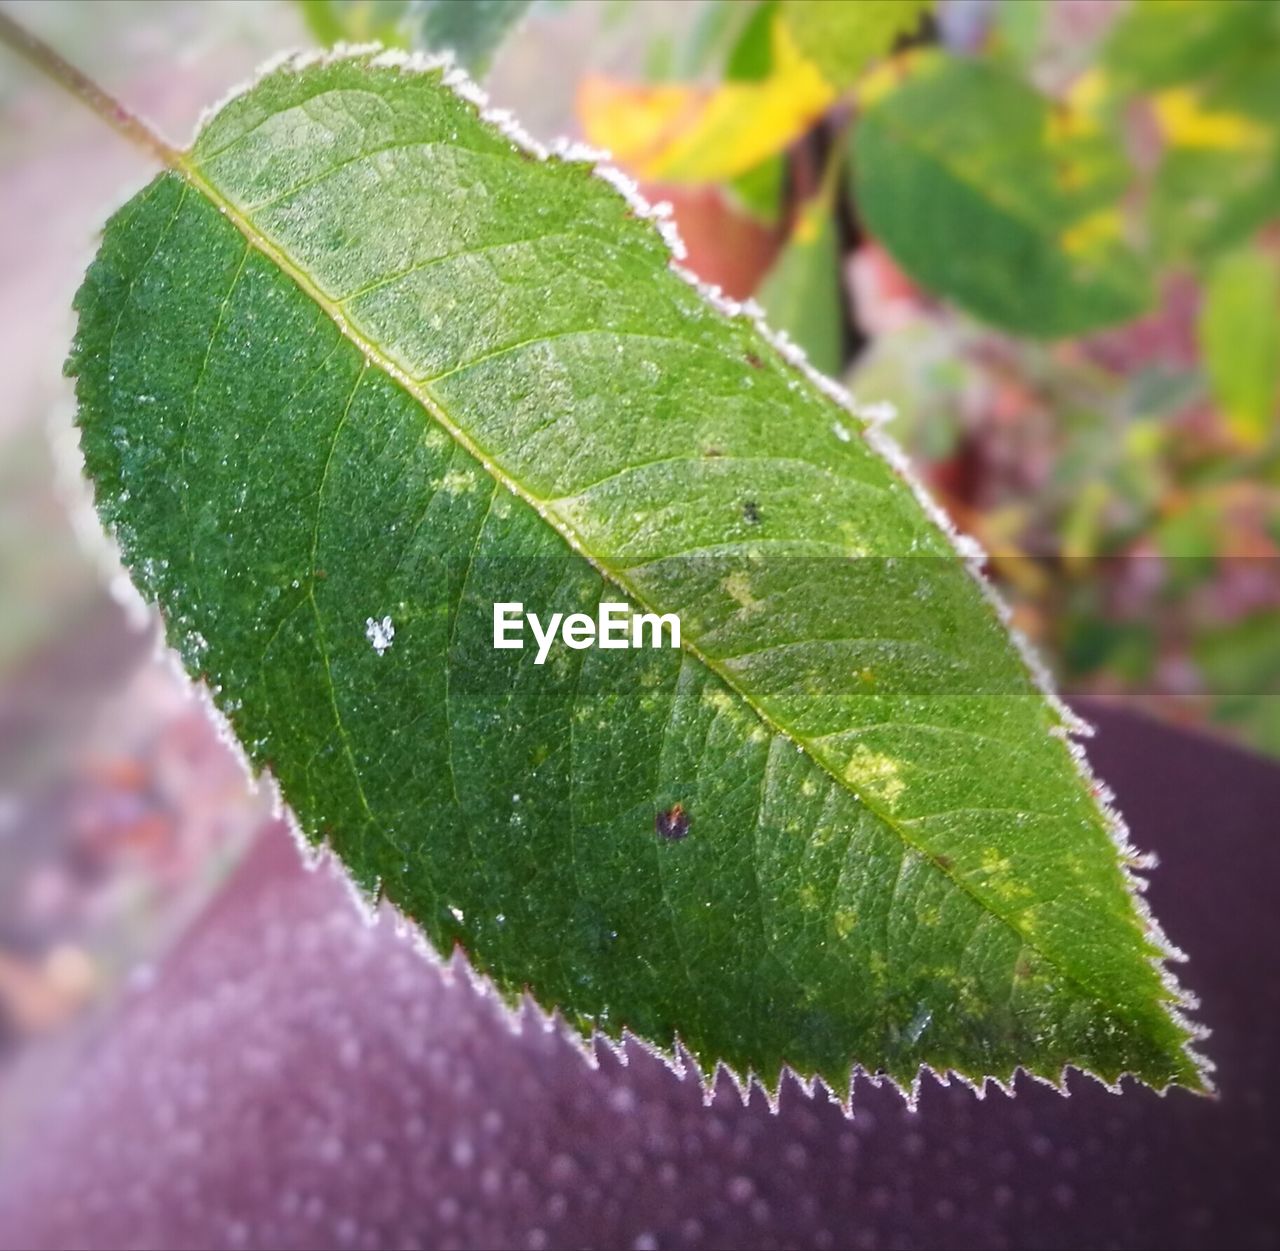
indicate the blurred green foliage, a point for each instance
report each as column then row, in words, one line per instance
column 471, row 29
column 1050, row 233
column 842, row 41
column 1240, row 339
column 982, row 195
column 802, row 293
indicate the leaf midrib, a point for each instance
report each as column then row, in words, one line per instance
column 185, row 166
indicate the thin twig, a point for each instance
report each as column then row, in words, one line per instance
column 106, row 106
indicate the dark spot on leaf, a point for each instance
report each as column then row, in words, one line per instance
column 673, row 824
column 319, row 575
column 713, row 451
column 1022, row 970
column 751, row 513
column 943, row 862
column 754, row 361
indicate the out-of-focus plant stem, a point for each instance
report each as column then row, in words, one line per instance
column 107, row 107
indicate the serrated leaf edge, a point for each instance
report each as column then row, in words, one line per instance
column 869, row 418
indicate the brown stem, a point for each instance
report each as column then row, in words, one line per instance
column 45, row 59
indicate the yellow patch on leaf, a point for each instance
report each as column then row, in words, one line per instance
column 1185, row 124
column 880, row 773
column 1092, row 235
column 1078, row 114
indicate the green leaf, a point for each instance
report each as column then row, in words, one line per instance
column 470, row 29
column 1020, row 28
column 1219, row 177
column 1157, row 44
column 325, row 19
column 751, row 57
column 361, row 367
column 960, row 175
column 844, row 37
column 1206, row 200
column 802, row 293
column 759, row 191
column 1239, row 335
column 357, row 21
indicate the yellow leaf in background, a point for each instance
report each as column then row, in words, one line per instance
column 690, row 134
column 1185, row 124
column 637, row 123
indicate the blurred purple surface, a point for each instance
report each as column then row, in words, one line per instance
column 295, row 1078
